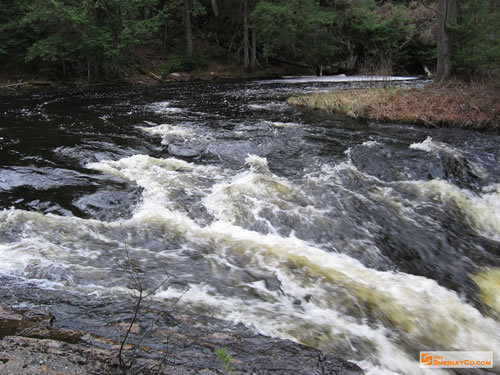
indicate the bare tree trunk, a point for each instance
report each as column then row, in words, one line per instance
column 165, row 33
column 122, row 16
column 189, row 31
column 246, row 56
column 147, row 12
column 88, row 67
column 253, row 60
column 215, row 9
column 65, row 74
column 63, row 64
column 165, row 28
column 447, row 16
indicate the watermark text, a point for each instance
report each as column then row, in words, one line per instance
column 456, row 359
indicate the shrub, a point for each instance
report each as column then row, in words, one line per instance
column 182, row 63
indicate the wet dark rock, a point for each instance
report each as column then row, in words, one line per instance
column 460, row 171
column 187, row 150
column 393, row 165
column 235, row 152
column 34, row 324
column 107, row 204
column 27, row 356
column 182, row 344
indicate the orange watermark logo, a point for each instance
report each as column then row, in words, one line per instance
column 456, row 359
column 425, row 359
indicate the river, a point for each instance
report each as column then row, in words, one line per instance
column 371, row 241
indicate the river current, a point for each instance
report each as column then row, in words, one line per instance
column 370, row 241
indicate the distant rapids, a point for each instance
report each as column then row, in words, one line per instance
column 369, row 241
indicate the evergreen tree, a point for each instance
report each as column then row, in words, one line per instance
column 477, row 38
column 65, row 38
column 300, row 28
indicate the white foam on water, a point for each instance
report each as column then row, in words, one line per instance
column 164, row 108
column 241, row 199
column 257, row 163
column 18, row 257
column 417, row 306
column 75, row 253
column 427, row 145
column 169, row 131
column 481, row 211
column 338, row 78
column 431, row 146
column 51, row 248
column 279, row 124
column 370, row 143
column 274, row 106
column 163, row 180
column 343, row 304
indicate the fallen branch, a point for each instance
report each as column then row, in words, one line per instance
column 14, row 85
column 429, row 123
column 40, row 83
column 150, row 74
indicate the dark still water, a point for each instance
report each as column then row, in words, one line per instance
column 372, row 241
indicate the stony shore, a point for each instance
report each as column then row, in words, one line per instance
column 57, row 332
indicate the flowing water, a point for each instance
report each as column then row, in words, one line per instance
column 372, row 241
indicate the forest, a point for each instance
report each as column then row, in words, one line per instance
column 101, row 39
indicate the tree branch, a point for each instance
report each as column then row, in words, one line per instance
column 430, row 8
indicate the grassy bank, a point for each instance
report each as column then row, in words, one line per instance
column 475, row 106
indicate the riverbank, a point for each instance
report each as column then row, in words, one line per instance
column 456, row 104
column 149, row 75
column 58, row 338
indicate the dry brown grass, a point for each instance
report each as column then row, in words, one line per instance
column 471, row 105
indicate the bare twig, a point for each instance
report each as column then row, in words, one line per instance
column 137, row 278
column 153, row 323
column 136, row 312
column 430, row 8
column 414, row 33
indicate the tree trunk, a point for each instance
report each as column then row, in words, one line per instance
column 165, row 28
column 165, row 33
column 147, row 12
column 253, row 60
column 63, row 63
column 215, row 9
column 447, row 16
column 246, row 56
column 88, row 67
column 189, row 31
column 65, row 74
